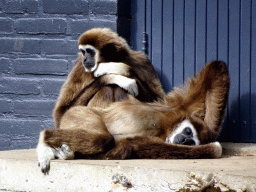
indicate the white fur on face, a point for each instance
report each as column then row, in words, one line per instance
column 84, row 47
column 180, row 128
column 112, row 68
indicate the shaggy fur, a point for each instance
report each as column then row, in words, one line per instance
column 133, row 129
column 83, row 88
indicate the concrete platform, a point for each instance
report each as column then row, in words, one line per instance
column 235, row 171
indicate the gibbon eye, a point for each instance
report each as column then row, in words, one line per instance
column 83, row 52
column 90, row 51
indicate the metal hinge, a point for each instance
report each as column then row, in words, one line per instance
column 145, row 42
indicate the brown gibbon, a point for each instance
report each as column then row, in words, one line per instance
column 185, row 124
column 106, row 71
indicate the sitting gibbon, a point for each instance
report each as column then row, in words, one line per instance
column 106, row 71
column 185, row 124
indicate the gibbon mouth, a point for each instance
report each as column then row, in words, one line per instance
column 183, row 140
column 89, row 66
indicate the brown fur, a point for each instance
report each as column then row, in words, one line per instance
column 133, row 129
column 82, row 88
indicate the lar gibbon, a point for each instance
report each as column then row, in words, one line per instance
column 102, row 51
column 185, row 125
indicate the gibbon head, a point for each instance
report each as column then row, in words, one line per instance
column 101, row 45
column 184, row 133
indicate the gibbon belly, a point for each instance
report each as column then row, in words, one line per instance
column 132, row 122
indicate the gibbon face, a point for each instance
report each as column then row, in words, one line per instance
column 110, row 48
column 184, row 133
column 90, row 57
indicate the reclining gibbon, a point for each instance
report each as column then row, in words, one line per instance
column 129, row 74
column 185, row 125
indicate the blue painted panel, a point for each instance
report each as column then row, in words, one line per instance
column 234, row 102
column 149, row 17
column 245, row 67
column 157, row 37
column 200, row 34
column 137, row 23
column 211, row 30
column 183, row 35
column 253, row 73
column 178, row 28
column 167, row 52
column 189, row 39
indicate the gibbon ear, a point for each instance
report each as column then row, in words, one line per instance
column 113, row 52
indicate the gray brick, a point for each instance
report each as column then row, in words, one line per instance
column 23, row 142
column 26, row 127
column 66, row 7
column 40, row 66
column 5, row 141
column 63, row 47
column 104, row 7
column 5, row 106
column 34, row 108
column 12, row 6
column 5, row 127
column 4, row 65
column 6, row 25
column 22, row 45
column 77, row 27
column 52, row 87
column 19, row 133
column 20, row 6
column 30, row 6
column 19, row 86
column 40, row 26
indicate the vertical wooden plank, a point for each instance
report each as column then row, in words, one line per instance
column 253, row 73
column 157, row 36
column 200, row 34
column 245, row 42
column 212, row 25
column 167, row 71
column 223, row 52
column 222, row 30
column 178, row 42
column 189, row 43
column 137, row 22
column 234, row 50
column 149, row 26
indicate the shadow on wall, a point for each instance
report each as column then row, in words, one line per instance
column 240, row 121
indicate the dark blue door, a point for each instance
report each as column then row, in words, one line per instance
column 183, row 35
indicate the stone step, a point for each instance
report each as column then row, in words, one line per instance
column 19, row 171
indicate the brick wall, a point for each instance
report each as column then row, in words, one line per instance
column 38, row 47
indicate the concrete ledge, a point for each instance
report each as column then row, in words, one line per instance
column 19, row 172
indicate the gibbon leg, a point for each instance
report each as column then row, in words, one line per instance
column 204, row 96
column 64, row 143
column 154, row 148
column 216, row 98
column 81, row 131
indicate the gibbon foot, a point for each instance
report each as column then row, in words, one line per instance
column 46, row 153
column 218, row 149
